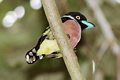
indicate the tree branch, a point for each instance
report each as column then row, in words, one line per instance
column 55, row 23
column 107, row 31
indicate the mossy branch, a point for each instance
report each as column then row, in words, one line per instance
column 55, row 23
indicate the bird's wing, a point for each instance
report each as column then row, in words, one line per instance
column 31, row 55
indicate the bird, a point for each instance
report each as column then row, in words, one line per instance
column 47, row 47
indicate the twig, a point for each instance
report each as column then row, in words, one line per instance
column 55, row 23
column 103, row 48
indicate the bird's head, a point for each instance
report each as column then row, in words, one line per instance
column 80, row 18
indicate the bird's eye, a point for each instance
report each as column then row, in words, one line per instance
column 78, row 17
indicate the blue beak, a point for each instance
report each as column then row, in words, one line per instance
column 88, row 24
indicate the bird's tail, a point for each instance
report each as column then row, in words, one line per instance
column 31, row 56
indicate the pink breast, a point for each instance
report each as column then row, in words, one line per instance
column 74, row 30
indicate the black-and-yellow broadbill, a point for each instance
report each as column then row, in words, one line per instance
column 47, row 47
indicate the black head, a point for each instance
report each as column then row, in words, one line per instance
column 80, row 18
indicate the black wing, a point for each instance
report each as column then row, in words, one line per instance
column 31, row 55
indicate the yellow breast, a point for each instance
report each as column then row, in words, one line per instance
column 48, row 47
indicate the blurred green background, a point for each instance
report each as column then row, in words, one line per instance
column 21, row 25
